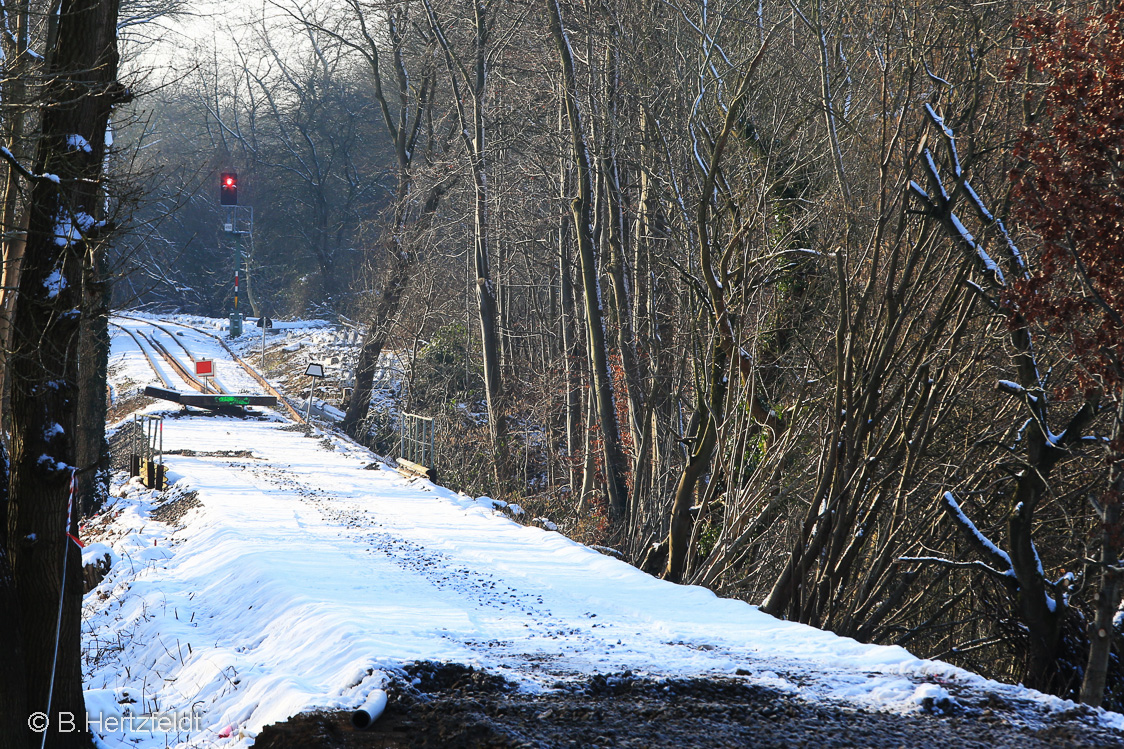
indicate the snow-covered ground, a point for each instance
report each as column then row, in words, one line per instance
column 308, row 570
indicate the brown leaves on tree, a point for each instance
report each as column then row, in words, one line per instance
column 1069, row 185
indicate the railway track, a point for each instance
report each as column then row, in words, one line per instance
column 191, row 380
column 147, row 357
column 183, row 371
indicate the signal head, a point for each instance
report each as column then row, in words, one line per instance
column 228, row 188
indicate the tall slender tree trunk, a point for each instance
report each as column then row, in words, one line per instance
column 1102, row 631
column 616, row 242
column 571, row 351
column 93, row 373
column 374, row 340
column 571, row 356
column 474, row 78
column 589, row 455
column 13, row 226
column 378, row 328
column 581, row 210
column 403, row 131
column 708, row 417
column 489, row 335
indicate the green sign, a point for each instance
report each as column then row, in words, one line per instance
column 232, row 400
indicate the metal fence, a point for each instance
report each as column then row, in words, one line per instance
column 416, row 440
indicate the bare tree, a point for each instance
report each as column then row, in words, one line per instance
column 616, row 468
column 403, row 107
column 468, row 77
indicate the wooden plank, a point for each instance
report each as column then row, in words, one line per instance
column 409, row 467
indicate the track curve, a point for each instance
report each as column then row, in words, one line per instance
column 186, row 375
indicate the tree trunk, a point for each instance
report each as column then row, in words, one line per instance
column 402, row 263
column 373, row 342
column 571, row 357
column 13, row 697
column 1102, row 631
column 489, row 336
column 616, row 240
column 571, row 347
column 474, row 77
column 80, row 93
column 403, row 132
column 708, row 416
column 14, row 91
column 615, row 465
column 589, row 457
column 93, row 366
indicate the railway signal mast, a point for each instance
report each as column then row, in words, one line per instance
column 238, row 222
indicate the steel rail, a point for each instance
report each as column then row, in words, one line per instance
column 175, row 338
column 164, row 330
column 180, row 369
column 163, row 351
column 147, row 356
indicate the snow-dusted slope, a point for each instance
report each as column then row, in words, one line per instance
column 304, row 573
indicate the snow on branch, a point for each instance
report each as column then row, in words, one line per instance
column 996, row 557
column 933, row 76
column 977, row 204
column 1073, row 432
column 986, row 216
column 949, row 138
column 970, row 241
column 1006, row 577
column 26, row 173
column 934, row 175
column 942, row 210
column 1012, row 388
column 979, row 291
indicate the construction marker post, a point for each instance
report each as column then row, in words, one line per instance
column 265, row 323
column 315, row 371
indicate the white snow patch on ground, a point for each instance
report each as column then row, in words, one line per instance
column 302, row 578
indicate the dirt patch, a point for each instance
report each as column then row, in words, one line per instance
column 172, row 510
column 211, row 453
column 121, row 444
column 452, row 707
column 125, row 406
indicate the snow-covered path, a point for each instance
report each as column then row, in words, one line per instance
column 309, row 569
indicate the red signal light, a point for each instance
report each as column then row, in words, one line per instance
column 228, row 193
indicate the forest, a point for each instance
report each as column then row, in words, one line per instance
column 817, row 305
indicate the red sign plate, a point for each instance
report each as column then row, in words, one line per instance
column 204, row 368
